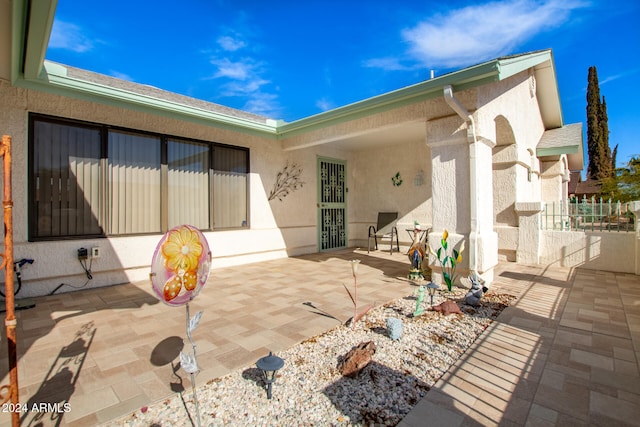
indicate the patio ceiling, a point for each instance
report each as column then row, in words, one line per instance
column 395, row 135
column 387, row 136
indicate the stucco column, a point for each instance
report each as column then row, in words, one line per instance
column 635, row 207
column 528, row 251
column 454, row 190
column 483, row 231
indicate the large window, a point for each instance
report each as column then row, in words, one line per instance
column 65, row 176
column 188, row 183
column 93, row 180
column 229, row 188
column 133, row 169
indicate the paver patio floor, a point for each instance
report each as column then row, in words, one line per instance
column 566, row 353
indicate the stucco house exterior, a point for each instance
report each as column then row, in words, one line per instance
column 105, row 163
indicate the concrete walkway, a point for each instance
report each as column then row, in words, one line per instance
column 565, row 354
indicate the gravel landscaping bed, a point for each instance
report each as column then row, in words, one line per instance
column 309, row 389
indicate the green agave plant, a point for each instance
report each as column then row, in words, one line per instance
column 448, row 261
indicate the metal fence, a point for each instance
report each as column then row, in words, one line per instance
column 588, row 215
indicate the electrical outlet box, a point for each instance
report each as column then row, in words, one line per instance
column 95, row 252
column 83, row 253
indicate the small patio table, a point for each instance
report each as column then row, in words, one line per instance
column 423, row 235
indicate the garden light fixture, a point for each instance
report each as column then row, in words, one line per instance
column 431, row 287
column 269, row 365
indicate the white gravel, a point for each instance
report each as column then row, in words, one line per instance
column 309, row 390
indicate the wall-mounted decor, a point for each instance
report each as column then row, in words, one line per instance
column 396, row 180
column 287, row 181
column 418, row 180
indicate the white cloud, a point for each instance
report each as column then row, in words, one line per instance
column 324, row 104
column 243, row 76
column 624, row 74
column 236, row 70
column 240, row 75
column 243, row 79
column 479, row 32
column 263, row 104
column 65, row 35
column 243, row 88
column 388, row 64
column 121, row 76
column 230, row 44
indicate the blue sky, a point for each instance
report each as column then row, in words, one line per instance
column 293, row 59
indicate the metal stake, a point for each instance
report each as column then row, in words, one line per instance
column 193, row 374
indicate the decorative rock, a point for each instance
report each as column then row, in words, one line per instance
column 448, row 307
column 308, row 389
column 394, row 327
column 357, row 359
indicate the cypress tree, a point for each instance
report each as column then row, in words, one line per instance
column 602, row 161
column 597, row 157
column 603, row 121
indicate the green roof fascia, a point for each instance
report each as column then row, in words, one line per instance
column 31, row 29
column 512, row 65
column 18, row 37
column 429, row 89
column 53, row 79
column 556, row 151
column 34, row 36
column 40, row 21
column 478, row 75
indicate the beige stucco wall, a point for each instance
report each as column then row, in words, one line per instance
column 296, row 214
column 552, row 175
column 505, row 165
column 509, row 115
column 434, row 165
column 610, row 251
column 278, row 228
column 511, row 103
column 508, row 126
column 372, row 189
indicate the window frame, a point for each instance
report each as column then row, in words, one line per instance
column 104, row 208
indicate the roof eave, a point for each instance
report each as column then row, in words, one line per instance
column 487, row 72
column 31, row 31
column 460, row 80
column 574, row 153
column 547, row 90
column 40, row 21
column 54, row 79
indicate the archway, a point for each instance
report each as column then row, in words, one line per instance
column 504, row 174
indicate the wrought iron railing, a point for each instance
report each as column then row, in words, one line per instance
column 588, row 215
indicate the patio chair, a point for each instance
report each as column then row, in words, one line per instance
column 386, row 227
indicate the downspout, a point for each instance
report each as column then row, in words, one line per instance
column 473, row 155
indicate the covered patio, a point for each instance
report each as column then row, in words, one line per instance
column 565, row 353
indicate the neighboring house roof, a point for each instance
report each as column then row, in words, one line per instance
column 563, row 140
column 574, row 179
column 31, row 28
column 579, row 188
column 588, row 188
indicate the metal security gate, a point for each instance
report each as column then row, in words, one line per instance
column 332, row 203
